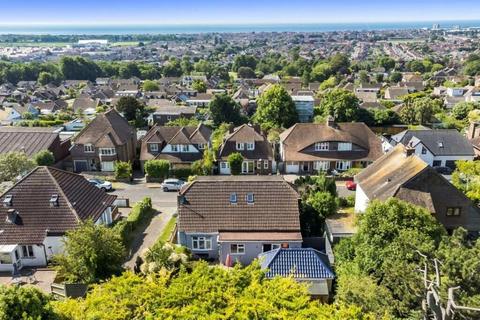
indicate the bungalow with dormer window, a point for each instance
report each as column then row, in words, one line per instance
column 307, row 148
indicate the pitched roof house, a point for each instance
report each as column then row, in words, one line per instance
column 305, row 265
column 252, row 144
column 238, row 217
column 106, row 139
column 38, row 210
column 179, row 145
column 438, row 148
column 403, row 175
column 32, row 141
column 310, row 147
column 473, row 135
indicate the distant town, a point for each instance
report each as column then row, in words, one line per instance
column 261, row 175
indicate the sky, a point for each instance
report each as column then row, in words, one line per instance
column 141, row 12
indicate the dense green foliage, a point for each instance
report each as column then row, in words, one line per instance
column 92, row 253
column 163, row 257
column 132, row 109
column 466, row 178
column 275, row 109
column 123, row 170
column 150, row 85
column 235, row 161
column 14, row 164
column 381, row 258
column 141, row 212
column 157, row 168
column 24, row 303
column 341, row 104
column 44, row 158
column 183, row 122
column 225, row 110
column 199, row 85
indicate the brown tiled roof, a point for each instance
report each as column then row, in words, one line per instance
column 109, row 125
column 260, row 236
column 207, row 206
column 243, row 134
column 78, row 200
column 302, row 135
column 84, row 103
column 28, row 140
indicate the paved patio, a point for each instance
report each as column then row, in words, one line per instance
column 42, row 279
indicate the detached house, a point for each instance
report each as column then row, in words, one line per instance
column 235, row 218
column 38, row 210
column 252, row 144
column 180, row 145
column 311, row 147
column 438, row 148
column 403, row 175
column 106, row 139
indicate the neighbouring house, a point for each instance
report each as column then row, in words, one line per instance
column 396, row 93
column 403, row 175
column 235, row 218
column 369, row 87
column 50, row 107
column 39, row 209
column 305, row 265
column 200, row 100
column 32, row 140
column 166, row 111
column 181, row 146
column 106, row 139
column 85, row 105
column 252, row 144
column 438, row 148
column 304, row 106
column 312, row 147
column 473, row 135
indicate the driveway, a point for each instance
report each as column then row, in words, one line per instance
column 165, row 203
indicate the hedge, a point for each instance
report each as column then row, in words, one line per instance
column 157, row 168
column 140, row 212
column 181, row 173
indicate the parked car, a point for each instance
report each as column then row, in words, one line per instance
column 104, row 185
column 172, row 185
column 351, row 185
column 443, row 170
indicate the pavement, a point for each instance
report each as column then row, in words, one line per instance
column 165, row 203
column 42, row 279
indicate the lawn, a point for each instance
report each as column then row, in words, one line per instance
column 167, row 231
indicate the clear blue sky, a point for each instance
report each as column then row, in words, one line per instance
column 234, row 12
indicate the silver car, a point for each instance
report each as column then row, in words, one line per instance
column 100, row 184
column 172, row 185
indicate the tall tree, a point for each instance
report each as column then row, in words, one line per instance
column 224, row 109
column 341, row 104
column 275, row 108
column 14, row 164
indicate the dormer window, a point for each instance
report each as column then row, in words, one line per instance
column 440, row 144
column 240, row 146
column 54, row 200
column 185, row 148
column 89, row 148
column 12, row 215
column 250, row 145
column 424, row 150
column 344, row 146
column 7, row 202
column 233, row 198
column 174, row 148
column 321, row 146
column 154, row 147
column 250, row 198
column 201, row 146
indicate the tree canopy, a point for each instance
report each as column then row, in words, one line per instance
column 14, row 164
column 275, row 109
column 341, row 104
column 225, row 110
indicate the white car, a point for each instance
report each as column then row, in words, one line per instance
column 100, row 184
column 172, row 185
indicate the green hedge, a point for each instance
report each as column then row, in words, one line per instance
column 141, row 211
column 39, row 123
column 157, row 168
column 181, row 173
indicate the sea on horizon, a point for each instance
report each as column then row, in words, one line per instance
column 224, row 28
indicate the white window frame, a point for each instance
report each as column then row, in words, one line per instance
column 201, row 146
column 250, row 145
column 224, row 165
column 345, row 165
column 185, row 148
column 240, row 146
column 250, row 198
column 197, row 240
column 344, row 146
column 273, row 246
column 28, row 252
column 321, row 165
column 174, row 148
column 88, row 148
column 233, row 198
column 321, row 146
column 265, row 164
column 239, row 248
column 107, row 151
column 154, row 147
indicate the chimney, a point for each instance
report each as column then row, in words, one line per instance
column 409, row 151
column 331, row 121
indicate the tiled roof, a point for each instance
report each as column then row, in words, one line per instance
column 111, row 124
column 78, row 200
column 206, row 206
column 301, row 263
column 28, row 140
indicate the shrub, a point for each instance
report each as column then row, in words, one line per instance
column 44, row 158
column 24, row 303
column 350, row 173
column 140, row 212
column 347, row 202
column 123, row 170
column 181, row 173
column 157, row 168
column 235, row 161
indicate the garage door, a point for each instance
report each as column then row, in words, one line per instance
column 80, row 165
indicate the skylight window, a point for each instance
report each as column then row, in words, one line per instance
column 250, row 198
column 233, row 198
column 440, row 144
